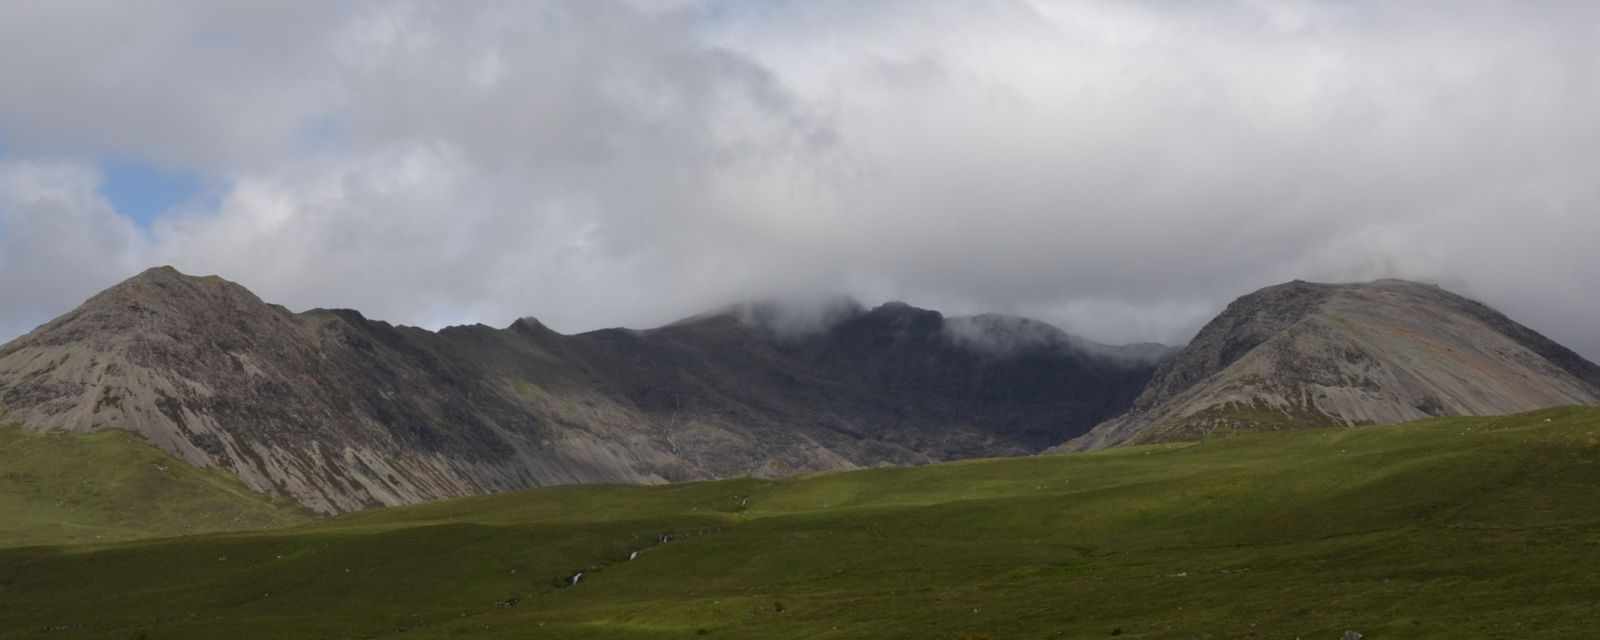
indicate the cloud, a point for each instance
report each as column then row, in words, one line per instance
column 1121, row 169
column 59, row 241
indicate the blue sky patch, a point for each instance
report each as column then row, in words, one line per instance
column 144, row 192
column 323, row 132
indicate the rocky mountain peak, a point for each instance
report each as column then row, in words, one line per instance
column 1244, row 325
column 1308, row 354
column 532, row 327
column 166, row 286
column 903, row 317
column 159, row 302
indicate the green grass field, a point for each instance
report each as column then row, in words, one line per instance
column 111, row 486
column 1452, row 528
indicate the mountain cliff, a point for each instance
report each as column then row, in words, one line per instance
column 1306, row 354
column 342, row 412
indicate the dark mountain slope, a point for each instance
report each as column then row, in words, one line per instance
column 341, row 412
column 1305, row 354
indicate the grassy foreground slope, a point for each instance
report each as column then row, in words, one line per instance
column 1452, row 528
column 107, row 486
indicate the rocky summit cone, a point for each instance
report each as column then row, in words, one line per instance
column 1305, row 354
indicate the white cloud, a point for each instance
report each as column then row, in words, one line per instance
column 1120, row 168
column 59, row 241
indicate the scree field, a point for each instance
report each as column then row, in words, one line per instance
column 1450, row 528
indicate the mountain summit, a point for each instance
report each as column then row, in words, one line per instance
column 1308, row 354
column 341, row 412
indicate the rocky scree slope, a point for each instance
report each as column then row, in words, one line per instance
column 341, row 412
column 1305, row 354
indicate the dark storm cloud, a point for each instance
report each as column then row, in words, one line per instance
column 1120, row 169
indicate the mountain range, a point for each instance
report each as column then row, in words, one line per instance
column 340, row 412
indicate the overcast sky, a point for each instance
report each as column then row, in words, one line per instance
column 1122, row 169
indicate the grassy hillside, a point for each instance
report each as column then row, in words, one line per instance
column 110, row 486
column 1479, row 527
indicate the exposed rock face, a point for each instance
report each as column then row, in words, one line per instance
column 1305, row 354
column 341, row 412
